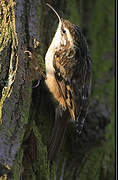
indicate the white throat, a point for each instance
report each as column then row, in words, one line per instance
column 55, row 44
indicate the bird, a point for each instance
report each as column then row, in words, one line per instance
column 68, row 78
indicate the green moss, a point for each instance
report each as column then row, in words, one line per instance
column 101, row 31
column 27, row 90
column 42, row 163
column 40, row 58
column 92, row 166
column 53, row 172
column 17, row 170
column 39, row 167
column 100, row 162
column 42, row 63
column 101, row 36
column 75, row 14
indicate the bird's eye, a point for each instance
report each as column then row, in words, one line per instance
column 64, row 31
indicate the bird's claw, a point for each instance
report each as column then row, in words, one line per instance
column 29, row 53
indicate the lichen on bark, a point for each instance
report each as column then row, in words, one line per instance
column 8, row 35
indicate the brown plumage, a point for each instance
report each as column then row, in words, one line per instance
column 68, row 69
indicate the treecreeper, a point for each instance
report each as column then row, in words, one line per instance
column 68, row 78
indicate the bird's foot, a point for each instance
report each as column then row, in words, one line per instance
column 30, row 55
column 35, row 63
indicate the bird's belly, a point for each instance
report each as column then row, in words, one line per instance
column 55, row 90
column 49, row 61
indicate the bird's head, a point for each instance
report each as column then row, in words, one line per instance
column 64, row 33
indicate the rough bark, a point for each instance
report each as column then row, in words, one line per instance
column 16, row 74
column 27, row 111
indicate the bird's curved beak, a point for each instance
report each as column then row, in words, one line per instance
column 54, row 11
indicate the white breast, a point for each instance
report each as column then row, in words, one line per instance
column 49, row 62
column 51, row 51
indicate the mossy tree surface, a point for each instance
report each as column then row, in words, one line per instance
column 16, row 76
column 96, row 19
column 101, row 37
column 27, row 113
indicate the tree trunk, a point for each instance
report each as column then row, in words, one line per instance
column 27, row 113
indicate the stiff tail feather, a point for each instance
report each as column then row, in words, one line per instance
column 57, row 137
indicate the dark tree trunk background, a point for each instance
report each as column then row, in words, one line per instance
column 27, row 111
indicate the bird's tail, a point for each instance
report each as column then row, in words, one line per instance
column 57, row 137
